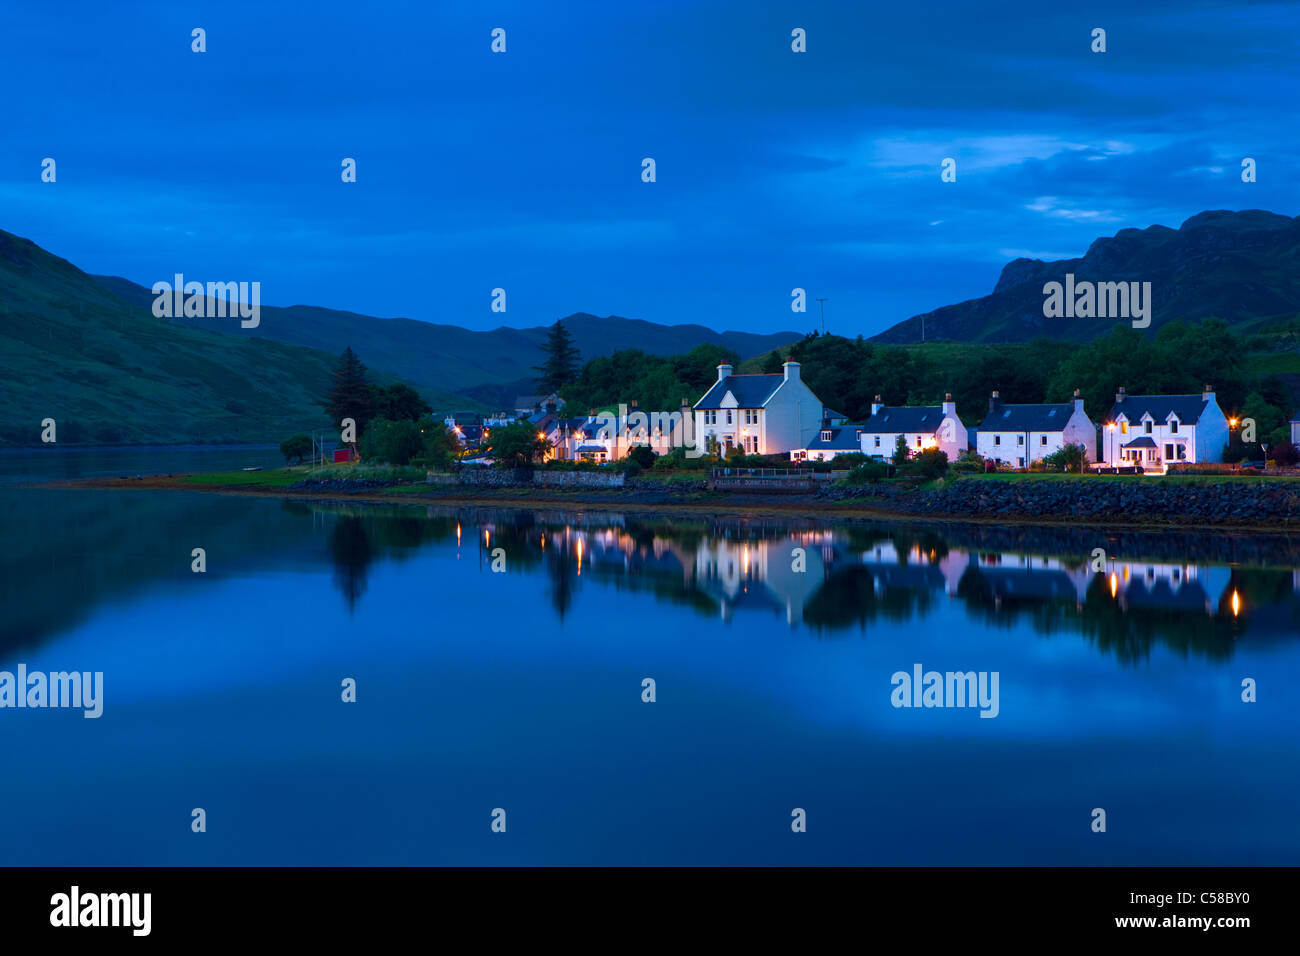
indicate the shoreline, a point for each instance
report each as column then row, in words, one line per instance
column 666, row 501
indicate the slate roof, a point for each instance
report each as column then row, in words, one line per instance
column 751, row 391
column 1188, row 408
column 921, row 419
column 1027, row 418
column 843, row 438
column 1143, row 442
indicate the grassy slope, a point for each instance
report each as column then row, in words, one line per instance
column 108, row 371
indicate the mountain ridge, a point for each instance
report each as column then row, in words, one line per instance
column 1240, row 266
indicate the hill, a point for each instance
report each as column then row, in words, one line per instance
column 1243, row 267
column 493, row 366
column 107, row 371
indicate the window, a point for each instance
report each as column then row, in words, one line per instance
column 997, row 439
column 1148, row 427
column 826, row 436
column 1173, row 427
column 877, row 441
column 1123, row 428
column 1169, row 451
column 1042, row 439
column 711, row 418
column 728, row 416
column 751, row 416
column 1020, row 439
column 918, row 441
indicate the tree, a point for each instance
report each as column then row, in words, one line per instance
column 643, row 455
column 296, row 446
column 394, row 442
column 350, row 396
column 560, row 365
column 398, row 403
column 901, row 454
column 441, row 446
column 516, row 445
column 1071, row 458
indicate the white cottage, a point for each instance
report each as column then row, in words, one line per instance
column 760, row 414
column 922, row 427
column 1017, row 435
column 1154, row 431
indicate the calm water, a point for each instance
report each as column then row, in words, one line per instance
column 522, row 689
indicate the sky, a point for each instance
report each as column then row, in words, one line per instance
column 522, row 170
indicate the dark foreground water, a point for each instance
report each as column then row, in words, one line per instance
column 521, row 689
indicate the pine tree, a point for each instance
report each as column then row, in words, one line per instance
column 561, row 364
column 350, row 396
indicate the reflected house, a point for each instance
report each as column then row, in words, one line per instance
column 915, row 569
column 1029, row 579
column 762, row 574
column 1173, row 587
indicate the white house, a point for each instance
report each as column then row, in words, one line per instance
column 836, row 437
column 1295, row 431
column 760, row 414
column 1017, row 435
column 1155, row 431
column 605, row 436
column 922, row 427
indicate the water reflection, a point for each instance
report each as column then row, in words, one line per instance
column 835, row 580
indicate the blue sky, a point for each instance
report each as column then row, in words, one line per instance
column 522, row 170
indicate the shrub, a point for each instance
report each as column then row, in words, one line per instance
column 1071, row 458
column 1286, row 455
column 643, row 455
column 971, row 462
column 869, row 472
column 930, row 463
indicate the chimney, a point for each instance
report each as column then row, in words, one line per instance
column 1208, row 393
column 995, row 401
column 791, row 371
column 949, row 406
column 723, row 371
column 877, row 405
column 1078, row 401
column 1120, row 396
column 632, row 403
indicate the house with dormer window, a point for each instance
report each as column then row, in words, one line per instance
column 1152, row 432
column 759, row 414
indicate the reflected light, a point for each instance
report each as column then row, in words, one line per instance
column 1236, row 603
column 1114, row 584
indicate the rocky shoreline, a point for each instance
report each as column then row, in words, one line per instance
column 1248, row 504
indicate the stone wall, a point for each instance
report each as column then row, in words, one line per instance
column 579, row 479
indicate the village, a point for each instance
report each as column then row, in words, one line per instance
column 779, row 418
